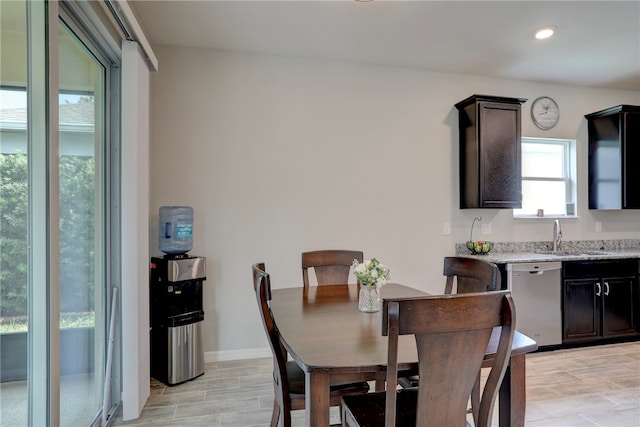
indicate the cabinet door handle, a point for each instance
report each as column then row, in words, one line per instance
column 606, row 288
column 599, row 291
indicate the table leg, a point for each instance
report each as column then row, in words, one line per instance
column 513, row 398
column 317, row 398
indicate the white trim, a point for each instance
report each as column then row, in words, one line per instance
column 568, row 176
column 250, row 353
column 135, row 231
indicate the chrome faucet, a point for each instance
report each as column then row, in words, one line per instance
column 557, row 235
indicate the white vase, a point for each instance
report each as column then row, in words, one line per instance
column 369, row 298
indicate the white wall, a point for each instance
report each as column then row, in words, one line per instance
column 280, row 155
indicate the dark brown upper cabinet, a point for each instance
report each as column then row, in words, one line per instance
column 490, row 136
column 614, row 152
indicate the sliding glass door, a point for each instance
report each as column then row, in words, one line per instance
column 55, row 198
column 82, row 242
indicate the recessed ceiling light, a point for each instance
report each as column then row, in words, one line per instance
column 545, row 32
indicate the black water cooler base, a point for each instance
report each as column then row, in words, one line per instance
column 177, row 319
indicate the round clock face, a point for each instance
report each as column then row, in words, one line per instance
column 545, row 112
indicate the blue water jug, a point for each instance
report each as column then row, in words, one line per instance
column 175, row 235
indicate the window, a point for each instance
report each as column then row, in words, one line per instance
column 548, row 178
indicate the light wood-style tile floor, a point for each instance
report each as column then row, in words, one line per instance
column 583, row 387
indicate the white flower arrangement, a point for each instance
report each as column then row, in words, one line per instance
column 371, row 272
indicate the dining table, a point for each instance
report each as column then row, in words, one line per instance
column 334, row 343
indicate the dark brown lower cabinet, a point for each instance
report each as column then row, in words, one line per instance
column 581, row 311
column 600, row 299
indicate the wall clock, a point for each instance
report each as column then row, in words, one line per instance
column 545, row 112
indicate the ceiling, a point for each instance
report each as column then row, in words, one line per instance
column 597, row 43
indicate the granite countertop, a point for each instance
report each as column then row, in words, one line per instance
column 512, row 252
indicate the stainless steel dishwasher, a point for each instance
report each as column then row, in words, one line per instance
column 536, row 290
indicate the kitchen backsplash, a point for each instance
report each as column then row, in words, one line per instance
column 567, row 245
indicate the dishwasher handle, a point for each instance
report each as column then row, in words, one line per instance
column 531, row 273
column 533, row 267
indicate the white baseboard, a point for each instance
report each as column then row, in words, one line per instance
column 250, row 353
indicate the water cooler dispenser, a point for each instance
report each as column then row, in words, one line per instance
column 177, row 318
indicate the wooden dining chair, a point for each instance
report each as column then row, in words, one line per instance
column 331, row 266
column 469, row 275
column 288, row 378
column 451, row 334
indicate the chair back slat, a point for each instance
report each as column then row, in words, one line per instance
column 457, row 375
